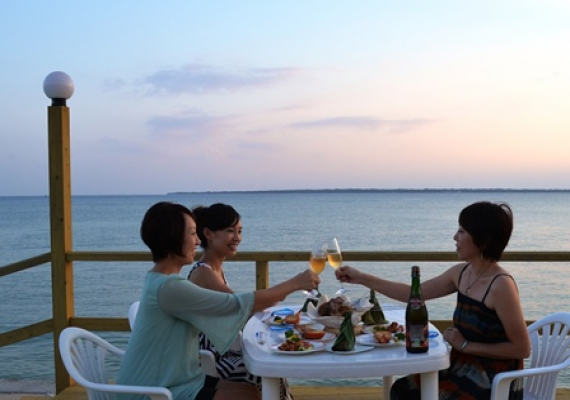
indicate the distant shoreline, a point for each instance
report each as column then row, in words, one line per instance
column 355, row 190
column 315, row 191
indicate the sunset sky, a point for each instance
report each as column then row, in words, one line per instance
column 261, row 95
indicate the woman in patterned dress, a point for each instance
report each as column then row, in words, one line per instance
column 220, row 230
column 489, row 333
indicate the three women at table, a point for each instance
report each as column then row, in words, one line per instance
column 219, row 228
column 489, row 333
column 163, row 349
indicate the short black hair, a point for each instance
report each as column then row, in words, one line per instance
column 163, row 228
column 216, row 217
column 490, row 225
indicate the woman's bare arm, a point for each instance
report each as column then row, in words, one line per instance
column 439, row 286
column 307, row 280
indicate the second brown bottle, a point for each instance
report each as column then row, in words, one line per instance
column 417, row 320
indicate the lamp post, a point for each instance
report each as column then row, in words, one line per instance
column 59, row 87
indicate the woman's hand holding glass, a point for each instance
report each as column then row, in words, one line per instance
column 350, row 275
column 334, row 257
column 317, row 262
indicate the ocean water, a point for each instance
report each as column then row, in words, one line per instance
column 273, row 221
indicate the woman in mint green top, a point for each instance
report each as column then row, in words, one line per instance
column 164, row 347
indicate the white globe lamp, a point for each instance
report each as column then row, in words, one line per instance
column 59, row 87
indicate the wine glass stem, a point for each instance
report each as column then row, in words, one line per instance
column 315, row 292
column 342, row 290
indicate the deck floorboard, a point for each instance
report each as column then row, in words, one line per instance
column 300, row 393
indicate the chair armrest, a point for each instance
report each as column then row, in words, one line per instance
column 502, row 381
column 155, row 393
column 208, row 363
column 237, row 343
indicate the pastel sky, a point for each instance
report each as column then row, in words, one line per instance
column 261, row 95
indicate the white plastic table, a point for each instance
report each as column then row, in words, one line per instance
column 380, row 361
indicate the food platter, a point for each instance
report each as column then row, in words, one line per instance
column 381, row 327
column 329, row 320
column 357, row 349
column 305, row 320
column 368, row 340
column 357, row 308
column 328, row 336
column 317, row 346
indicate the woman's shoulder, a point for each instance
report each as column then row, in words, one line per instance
column 199, row 267
column 502, row 279
column 201, row 264
column 452, row 275
column 502, row 289
column 457, row 269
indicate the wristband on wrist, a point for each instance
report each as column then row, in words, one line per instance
column 464, row 345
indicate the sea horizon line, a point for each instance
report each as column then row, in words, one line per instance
column 384, row 190
column 325, row 190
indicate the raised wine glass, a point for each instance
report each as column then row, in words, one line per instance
column 334, row 257
column 317, row 262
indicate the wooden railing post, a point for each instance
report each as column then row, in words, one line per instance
column 261, row 274
column 59, row 87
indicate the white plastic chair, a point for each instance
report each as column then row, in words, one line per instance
column 550, row 355
column 85, row 356
column 207, row 359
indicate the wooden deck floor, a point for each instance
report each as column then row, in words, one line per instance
column 300, row 393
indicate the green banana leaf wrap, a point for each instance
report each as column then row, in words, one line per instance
column 375, row 315
column 345, row 340
column 312, row 301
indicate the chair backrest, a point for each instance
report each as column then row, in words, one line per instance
column 207, row 358
column 549, row 349
column 133, row 309
column 87, row 358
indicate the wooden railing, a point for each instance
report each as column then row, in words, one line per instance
column 262, row 261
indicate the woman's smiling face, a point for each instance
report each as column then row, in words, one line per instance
column 225, row 241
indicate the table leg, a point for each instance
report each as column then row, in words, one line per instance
column 430, row 385
column 270, row 388
column 387, row 382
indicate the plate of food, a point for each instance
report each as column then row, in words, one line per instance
column 293, row 319
column 358, row 348
column 312, row 332
column 331, row 312
column 283, row 312
column 382, row 339
column 297, row 347
column 393, row 327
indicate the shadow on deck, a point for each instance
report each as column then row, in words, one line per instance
column 300, row 393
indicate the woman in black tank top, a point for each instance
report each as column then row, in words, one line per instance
column 489, row 333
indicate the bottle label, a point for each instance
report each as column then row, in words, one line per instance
column 415, row 303
column 417, row 336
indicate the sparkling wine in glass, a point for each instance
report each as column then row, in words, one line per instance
column 334, row 257
column 317, row 262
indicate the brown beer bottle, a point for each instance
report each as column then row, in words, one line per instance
column 416, row 318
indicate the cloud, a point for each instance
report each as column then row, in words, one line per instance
column 204, row 79
column 114, row 84
column 405, row 125
column 194, row 126
column 339, row 122
column 363, row 123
